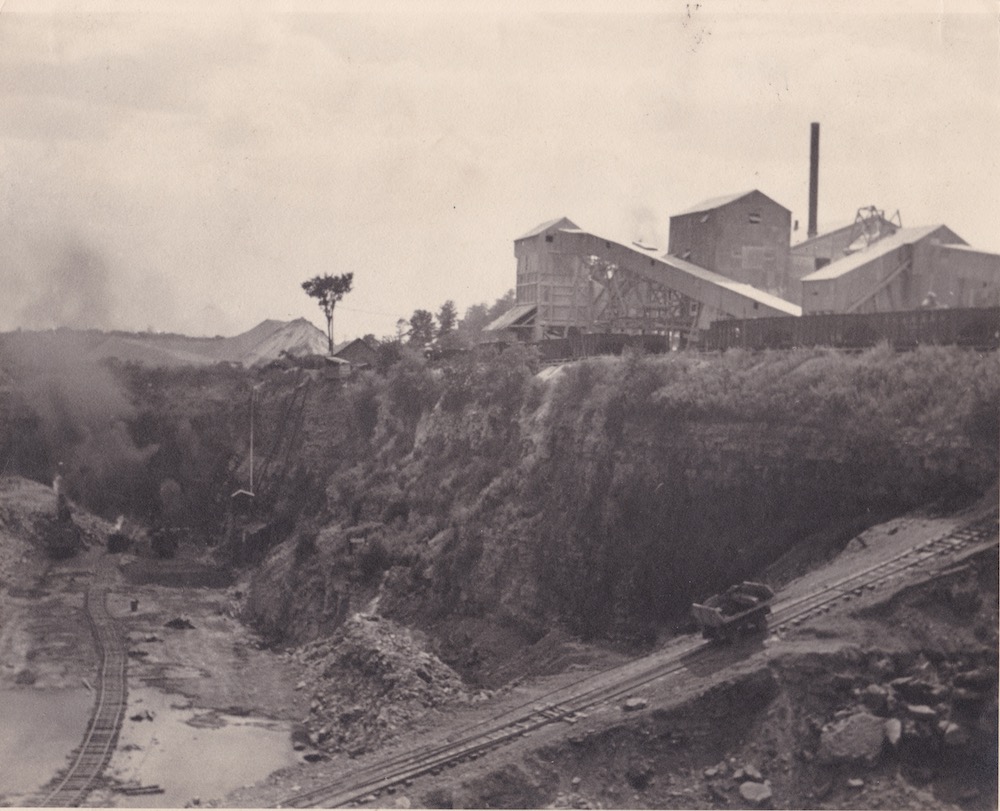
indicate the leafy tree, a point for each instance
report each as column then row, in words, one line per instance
column 387, row 354
column 328, row 290
column 447, row 318
column 478, row 316
column 421, row 328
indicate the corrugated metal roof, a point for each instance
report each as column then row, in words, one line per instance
column 824, row 233
column 717, row 202
column 904, row 236
column 509, row 318
column 714, row 202
column 708, row 276
column 748, row 290
column 545, row 226
column 829, row 231
column 971, row 249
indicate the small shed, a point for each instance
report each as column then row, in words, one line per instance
column 358, row 353
column 336, row 368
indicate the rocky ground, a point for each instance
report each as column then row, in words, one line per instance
column 887, row 702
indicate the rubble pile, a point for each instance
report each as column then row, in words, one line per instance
column 368, row 681
column 927, row 713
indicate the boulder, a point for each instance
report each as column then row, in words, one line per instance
column 757, row 794
column 351, row 715
column 893, row 730
column 883, row 667
column 749, row 772
column 982, row 678
column 921, row 712
column 632, row 704
column 876, row 698
column 953, row 734
column 639, row 775
column 967, row 697
column 915, row 691
column 857, row 737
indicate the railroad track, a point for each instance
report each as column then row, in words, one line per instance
column 566, row 703
column 91, row 758
column 794, row 612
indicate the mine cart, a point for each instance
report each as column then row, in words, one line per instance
column 744, row 606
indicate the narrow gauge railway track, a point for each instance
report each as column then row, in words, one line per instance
column 565, row 703
column 795, row 611
column 91, row 758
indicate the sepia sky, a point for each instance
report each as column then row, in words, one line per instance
column 185, row 170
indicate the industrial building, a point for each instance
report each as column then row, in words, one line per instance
column 731, row 257
column 742, row 236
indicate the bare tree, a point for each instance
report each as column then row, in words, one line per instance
column 328, row 290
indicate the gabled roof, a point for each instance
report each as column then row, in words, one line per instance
column 886, row 245
column 840, row 229
column 344, row 344
column 718, row 202
column 824, row 234
column 561, row 222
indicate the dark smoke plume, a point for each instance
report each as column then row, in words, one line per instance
column 62, row 406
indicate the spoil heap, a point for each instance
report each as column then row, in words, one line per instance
column 369, row 680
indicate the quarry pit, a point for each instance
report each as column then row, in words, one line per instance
column 431, row 549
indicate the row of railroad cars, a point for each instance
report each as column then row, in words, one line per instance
column 977, row 327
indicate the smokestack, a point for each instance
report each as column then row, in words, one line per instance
column 813, row 177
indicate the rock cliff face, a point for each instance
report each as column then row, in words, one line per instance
column 610, row 495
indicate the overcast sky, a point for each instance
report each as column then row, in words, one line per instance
column 186, row 171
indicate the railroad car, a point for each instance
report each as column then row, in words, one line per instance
column 742, row 607
column 976, row 327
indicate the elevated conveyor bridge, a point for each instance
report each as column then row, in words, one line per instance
column 572, row 282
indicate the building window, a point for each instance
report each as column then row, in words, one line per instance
column 754, row 217
column 549, row 237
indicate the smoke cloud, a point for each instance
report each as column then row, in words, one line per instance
column 74, row 290
column 56, row 282
column 61, row 406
